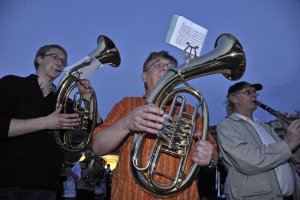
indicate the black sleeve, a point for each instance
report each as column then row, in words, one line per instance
column 9, row 87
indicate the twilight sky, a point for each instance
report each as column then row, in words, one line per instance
column 269, row 31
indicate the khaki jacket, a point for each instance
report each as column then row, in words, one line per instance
column 251, row 164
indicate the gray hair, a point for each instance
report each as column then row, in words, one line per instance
column 161, row 54
column 154, row 55
column 229, row 106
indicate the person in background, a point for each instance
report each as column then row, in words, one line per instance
column 257, row 160
column 30, row 159
column 107, row 170
column 85, row 189
column 73, row 174
column 107, row 180
column 132, row 115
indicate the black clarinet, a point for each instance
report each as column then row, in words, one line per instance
column 279, row 115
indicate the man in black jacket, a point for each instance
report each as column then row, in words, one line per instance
column 30, row 160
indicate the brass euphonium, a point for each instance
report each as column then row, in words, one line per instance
column 176, row 137
column 96, row 170
column 76, row 140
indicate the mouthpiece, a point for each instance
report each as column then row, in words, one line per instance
column 57, row 69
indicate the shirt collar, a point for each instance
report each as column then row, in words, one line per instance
column 246, row 118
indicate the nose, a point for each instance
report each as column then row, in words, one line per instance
column 60, row 62
column 165, row 68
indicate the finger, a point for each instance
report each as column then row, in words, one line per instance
column 203, row 144
column 151, row 108
column 59, row 107
column 70, row 123
column 204, row 147
column 70, row 116
column 200, row 159
column 151, row 119
column 151, row 124
column 145, row 113
column 139, row 124
column 295, row 123
column 82, row 84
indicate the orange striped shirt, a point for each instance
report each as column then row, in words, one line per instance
column 124, row 186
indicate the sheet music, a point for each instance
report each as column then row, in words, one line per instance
column 84, row 67
column 182, row 30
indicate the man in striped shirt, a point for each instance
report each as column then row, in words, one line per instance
column 132, row 115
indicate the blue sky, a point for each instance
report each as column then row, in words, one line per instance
column 269, row 31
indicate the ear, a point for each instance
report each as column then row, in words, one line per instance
column 144, row 75
column 39, row 59
column 233, row 99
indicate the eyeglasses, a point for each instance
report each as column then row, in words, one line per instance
column 158, row 65
column 57, row 58
column 248, row 92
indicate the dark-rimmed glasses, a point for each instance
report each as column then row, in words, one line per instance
column 57, row 58
column 159, row 65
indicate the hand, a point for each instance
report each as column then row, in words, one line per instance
column 147, row 118
column 56, row 120
column 282, row 121
column 202, row 153
column 85, row 89
column 293, row 134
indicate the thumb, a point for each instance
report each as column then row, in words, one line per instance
column 58, row 108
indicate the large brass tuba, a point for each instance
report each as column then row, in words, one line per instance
column 71, row 100
column 176, row 138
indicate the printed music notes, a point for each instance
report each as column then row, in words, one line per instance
column 183, row 33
